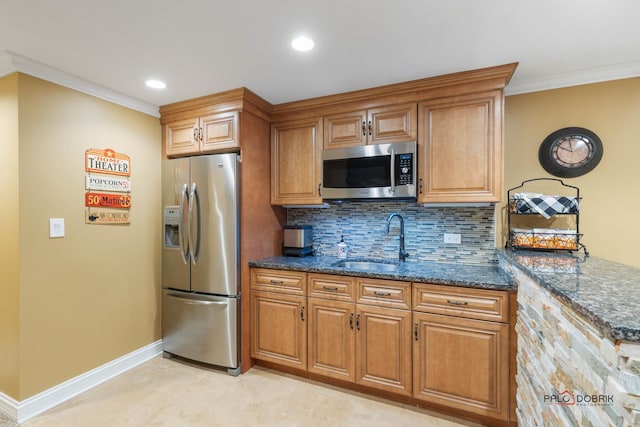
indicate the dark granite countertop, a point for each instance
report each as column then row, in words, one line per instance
column 605, row 292
column 487, row 277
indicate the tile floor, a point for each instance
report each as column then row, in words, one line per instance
column 163, row 392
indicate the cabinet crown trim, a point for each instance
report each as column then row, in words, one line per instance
column 497, row 77
column 235, row 99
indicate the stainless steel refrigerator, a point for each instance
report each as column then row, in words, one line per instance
column 200, row 259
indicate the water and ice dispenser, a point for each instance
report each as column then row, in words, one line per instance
column 171, row 221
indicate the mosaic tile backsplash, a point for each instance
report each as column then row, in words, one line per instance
column 363, row 226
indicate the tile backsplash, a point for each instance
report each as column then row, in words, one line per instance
column 363, row 226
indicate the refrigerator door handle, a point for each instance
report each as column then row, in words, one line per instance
column 197, row 302
column 194, row 202
column 184, row 248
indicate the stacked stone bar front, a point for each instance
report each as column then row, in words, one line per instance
column 569, row 373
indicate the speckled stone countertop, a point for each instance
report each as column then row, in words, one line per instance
column 605, row 292
column 487, row 277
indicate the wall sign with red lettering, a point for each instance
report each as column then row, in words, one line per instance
column 107, row 200
column 107, row 161
column 111, row 202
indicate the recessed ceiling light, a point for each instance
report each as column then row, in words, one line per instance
column 155, row 84
column 302, row 43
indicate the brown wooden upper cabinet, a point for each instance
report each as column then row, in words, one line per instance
column 296, row 162
column 199, row 135
column 460, row 149
column 387, row 124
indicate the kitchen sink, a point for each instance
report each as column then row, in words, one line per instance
column 368, row 265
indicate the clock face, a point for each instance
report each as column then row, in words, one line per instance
column 570, row 152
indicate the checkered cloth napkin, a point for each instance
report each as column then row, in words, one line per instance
column 545, row 205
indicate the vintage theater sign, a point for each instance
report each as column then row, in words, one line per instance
column 108, row 196
column 107, row 161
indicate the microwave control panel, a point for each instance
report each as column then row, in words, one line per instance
column 404, row 169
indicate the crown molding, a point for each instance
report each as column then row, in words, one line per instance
column 592, row 75
column 11, row 62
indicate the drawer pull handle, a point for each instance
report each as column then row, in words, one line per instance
column 358, row 322
column 382, row 294
column 351, row 321
column 276, row 282
column 457, row 302
column 330, row 288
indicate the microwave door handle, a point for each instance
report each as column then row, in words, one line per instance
column 393, row 171
column 182, row 226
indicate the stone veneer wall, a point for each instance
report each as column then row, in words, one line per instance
column 363, row 226
column 565, row 363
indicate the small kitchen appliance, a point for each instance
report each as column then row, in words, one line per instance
column 298, row 240
column 378, row 171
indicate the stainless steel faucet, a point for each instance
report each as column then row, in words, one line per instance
column 402, row 253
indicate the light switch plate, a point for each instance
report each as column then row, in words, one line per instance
column 56, row 227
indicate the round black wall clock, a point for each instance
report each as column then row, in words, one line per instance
column 570, row 152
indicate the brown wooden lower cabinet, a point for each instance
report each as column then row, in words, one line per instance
column 448, row 350
column 383, row 348
column 366, row 345
column 279, row 328
column 462, row 363
column 331, row 339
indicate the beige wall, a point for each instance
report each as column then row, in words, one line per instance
column 94, row 295
column 611, row 202
column 9, row 242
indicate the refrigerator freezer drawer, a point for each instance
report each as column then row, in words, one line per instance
column 201, row 327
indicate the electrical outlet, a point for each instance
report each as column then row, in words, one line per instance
column 453, row 238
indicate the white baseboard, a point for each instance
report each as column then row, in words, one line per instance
column 22, row 411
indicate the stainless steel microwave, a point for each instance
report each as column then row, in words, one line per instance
column 381, row 171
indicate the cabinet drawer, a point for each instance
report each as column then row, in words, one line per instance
column 483, row 304
column 283, row 281
column 341, row 288
column 385, row 293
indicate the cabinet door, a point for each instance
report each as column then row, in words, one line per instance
column 394, row 123
column 180, row 137
column 388, row 124
column 462, row 363
column 279, row 329
column 345, row 130
column 383, row 348
column 460, row 149
column 296, row 162
column 331, row 339
column 219, row 132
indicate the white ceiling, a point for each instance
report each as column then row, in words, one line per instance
column 200, row 47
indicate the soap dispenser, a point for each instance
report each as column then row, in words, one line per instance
column 342, row 248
